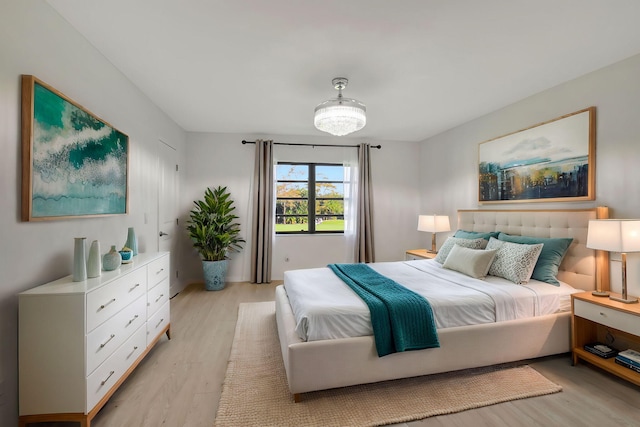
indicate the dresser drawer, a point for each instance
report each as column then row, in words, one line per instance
column 108, row 374
column 157, row 296
column 158, row 270
column 106, row 338
column 113, row 297
column 157, row 322
column 607, row 316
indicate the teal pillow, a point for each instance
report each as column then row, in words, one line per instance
column 476, row 234
column 553, row 252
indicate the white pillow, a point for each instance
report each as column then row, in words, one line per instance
column 514, row 261
column 472, row 262
column 466, row 243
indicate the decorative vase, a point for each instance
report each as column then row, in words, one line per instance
column 112, row 259
column 79, row 261
column 127, row 256
column 215, row 273
column 132, row 241
column 94, row 262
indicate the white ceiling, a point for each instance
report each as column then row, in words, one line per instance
column 420, row 66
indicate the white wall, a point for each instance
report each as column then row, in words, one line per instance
column 221, row 159
column 450, row 160
column 35, row 40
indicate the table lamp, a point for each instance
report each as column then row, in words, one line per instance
column 616, row 235
column 433, row 224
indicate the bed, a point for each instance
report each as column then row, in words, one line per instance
column 320, row 364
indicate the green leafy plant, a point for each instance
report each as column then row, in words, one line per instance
column 212, row 225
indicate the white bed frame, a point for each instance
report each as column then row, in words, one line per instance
column 320, row 365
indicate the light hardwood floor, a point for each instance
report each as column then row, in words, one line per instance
column 180, row 382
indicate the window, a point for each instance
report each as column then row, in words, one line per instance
column 301, row 211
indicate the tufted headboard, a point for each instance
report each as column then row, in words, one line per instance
column 582, row 268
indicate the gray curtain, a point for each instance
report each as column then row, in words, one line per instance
column 364, row 250
column 262, row 225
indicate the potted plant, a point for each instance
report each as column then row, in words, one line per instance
column 215, row 234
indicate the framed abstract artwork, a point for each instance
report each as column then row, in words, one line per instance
column 73, row 163
column 550, row 162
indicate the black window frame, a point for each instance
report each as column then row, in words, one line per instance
column 311, row 199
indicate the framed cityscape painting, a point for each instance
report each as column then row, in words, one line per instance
column 73, row 163
column 550, row 162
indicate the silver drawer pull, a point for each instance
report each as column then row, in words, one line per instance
column 160, row 322
column 134, row 286
column 133, row 351
column 160, row 271
column 159, row 298
column 107, row 341
column 107, row 379
column 134, row 318
column 104, row 305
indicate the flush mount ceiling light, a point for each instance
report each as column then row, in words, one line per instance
column 340, row 116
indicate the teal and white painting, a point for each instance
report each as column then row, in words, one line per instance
column 552, row 161
column 78, row 162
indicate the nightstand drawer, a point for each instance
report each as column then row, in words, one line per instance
column 607, row 316
column 414, row 254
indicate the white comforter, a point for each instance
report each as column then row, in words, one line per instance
column 326, row 308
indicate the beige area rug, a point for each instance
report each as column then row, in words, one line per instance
column 255, row 391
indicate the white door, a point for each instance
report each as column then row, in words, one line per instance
column 167, row 207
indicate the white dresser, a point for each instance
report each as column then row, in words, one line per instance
column 78, row 341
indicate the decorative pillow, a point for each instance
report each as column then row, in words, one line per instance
column 467, row 243
column 553, row 252
column 514, row 261
column 463, row 234
column 472, row 262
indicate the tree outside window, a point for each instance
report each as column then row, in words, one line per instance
column 300, row 210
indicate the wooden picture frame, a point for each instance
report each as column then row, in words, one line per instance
column 552, row 161
column 74, row 164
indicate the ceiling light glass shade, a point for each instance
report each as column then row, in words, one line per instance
column 340, row 116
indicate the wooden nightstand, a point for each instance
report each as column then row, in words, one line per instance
column 598, row 319
column 419, row 254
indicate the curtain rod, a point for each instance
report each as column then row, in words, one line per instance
column 313, row 145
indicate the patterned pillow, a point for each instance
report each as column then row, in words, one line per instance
column 472, row 262
column 548, row 263
column 514, row 261
column 446, row 247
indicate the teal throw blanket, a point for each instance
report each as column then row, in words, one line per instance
column 402, row 320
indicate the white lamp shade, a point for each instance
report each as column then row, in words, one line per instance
column 433, row 223
column 614, row 235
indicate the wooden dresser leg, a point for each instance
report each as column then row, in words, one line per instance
column 297, row 398
column 169, row 333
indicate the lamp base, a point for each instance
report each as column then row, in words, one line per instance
column 624, row 300
column 600, row 293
